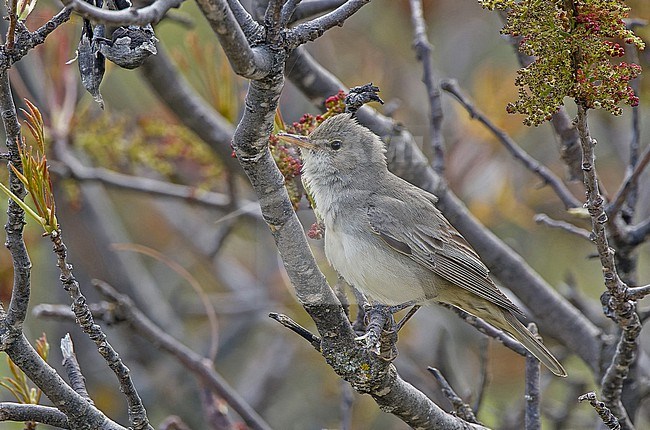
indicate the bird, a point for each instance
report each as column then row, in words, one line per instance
column 386, row 237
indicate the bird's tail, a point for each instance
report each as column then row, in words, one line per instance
column 531, row 343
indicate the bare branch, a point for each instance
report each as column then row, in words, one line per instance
column 26, row 412
column 488, row 330
column 137, row 413
column 297, row 328
column 71, row 365
column 629, row 184
column 312, row 30
column 71, row 167
column 639, row 232
column 451, row 86
column 252, row 63
column 461, row 408
column 80, row 413
column 249, row 26
column 287, row 11
column 563, row 225
column 200, row 366
column 147, row 15
column 605, row 414
column 637, row 293
column 273, row 20
column 423, row 52
column 311, row 8
column 533, row 395
column 14, row 242
column 615, row 298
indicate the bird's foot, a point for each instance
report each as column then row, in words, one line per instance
column 381, row 331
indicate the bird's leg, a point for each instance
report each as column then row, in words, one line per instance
column 407, row 317
column 381, row 329
column 376, row 316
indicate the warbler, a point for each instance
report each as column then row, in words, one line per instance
column 386, row 237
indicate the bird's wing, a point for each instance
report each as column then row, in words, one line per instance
column 422, row 233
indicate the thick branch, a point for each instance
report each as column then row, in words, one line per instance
column 246, row 61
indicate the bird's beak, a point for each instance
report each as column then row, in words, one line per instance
column 301, row 141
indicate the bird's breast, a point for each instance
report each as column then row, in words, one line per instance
column 379, row 272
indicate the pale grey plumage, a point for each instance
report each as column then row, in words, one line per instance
column 386, row 237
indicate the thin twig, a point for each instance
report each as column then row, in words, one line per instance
column 423, row 51
column 298, row 329
column 563, row 225
column 565, row 195
column 137, row 413
column 71, row 365
column 532, row 396
column 311, row 30
column 193, row 362
column 603, row 411
column 487, row 329
column 629, row 184
column 461, row 408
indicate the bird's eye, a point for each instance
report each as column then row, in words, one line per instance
column 335, row 144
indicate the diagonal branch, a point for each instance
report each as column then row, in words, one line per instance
column 83, row 316
column 311, row 8
column 629, row 184
column 312, row 30
column 246, row 61
column 200, row 366
column 515, row 150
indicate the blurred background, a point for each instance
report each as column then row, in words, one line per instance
column 231, row 255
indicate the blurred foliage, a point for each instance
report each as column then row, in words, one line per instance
column 146, row 143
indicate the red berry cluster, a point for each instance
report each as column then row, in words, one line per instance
column 591, row 21
column 614, row 49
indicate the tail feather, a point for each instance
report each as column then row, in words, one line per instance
column 532, row 344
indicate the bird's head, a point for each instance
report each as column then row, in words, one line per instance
column 340, row 145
